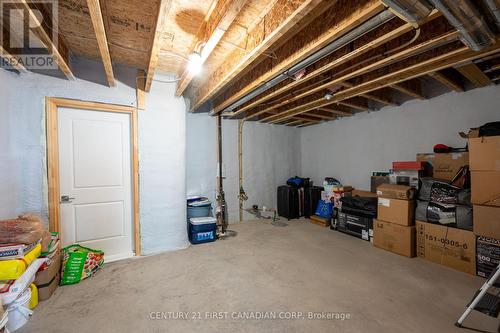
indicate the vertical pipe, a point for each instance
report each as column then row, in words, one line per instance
column 241, row 122
column 221, row 201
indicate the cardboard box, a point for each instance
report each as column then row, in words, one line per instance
column 485, row 188
column 485, row 153
column 48, row 279
column 487, row 255
column 487, row 221
column 46, row 291
column 455, row 248
column 393, row 191
column 396, row 211
column 444, row 166
column 395, row 238
column 357, row 226
column 376, row 181
column 363, row 193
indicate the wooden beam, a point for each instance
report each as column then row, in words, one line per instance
column 321, row 114
column 437, row 63
column 396, row 33
column 492, row 68
column 238, row 60
column 448, row 80
column 57, row 49
column 163, row 10
column 336, row 111
column 355, row 105
column 411, row 88
column 294, row 122
column 407, row 53
column 12, row 60
column 141, row 90
column 102, row 40
column 210, row 34
column 475, row 75
column 380, row 98
column 310, row 123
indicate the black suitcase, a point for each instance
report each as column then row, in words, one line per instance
column 312, row 196
column 288, row 202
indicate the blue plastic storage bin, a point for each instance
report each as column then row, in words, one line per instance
column 202, row 229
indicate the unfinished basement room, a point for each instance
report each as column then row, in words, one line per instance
column 249, row 166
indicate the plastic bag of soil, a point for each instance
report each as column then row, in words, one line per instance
column 80, row 263
column 26, row 229
column 443, row 192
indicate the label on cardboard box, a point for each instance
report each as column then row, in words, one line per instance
column 447, row 246
column 384, row 202
column 487, row 255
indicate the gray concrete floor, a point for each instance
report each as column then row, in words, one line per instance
column 300, row 268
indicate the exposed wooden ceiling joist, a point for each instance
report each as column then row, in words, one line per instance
column 102, row 39
column 284, row 15
column 293, row 122
column 224, row 75
column 163, row 9
column 475, row 75
column 380, row 98
column 448, row 79
column 309, row 123
column 321, row 114
column 411, row 88
column 357, row 52
column 57, row 49
column 357, row 105
column 12, row 60
column 394, row 58
column 435, row 63
column 342, row 113
column 210, row 34
column 374, row 96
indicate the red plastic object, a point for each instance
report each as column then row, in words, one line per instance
column 408, row 165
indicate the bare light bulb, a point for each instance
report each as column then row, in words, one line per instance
column 195, row 63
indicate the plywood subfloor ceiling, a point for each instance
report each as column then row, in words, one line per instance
column 246, row 43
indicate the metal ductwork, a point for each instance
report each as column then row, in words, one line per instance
column 352, row 35
column 494, row 8
column 412, row 11
column 465, row 17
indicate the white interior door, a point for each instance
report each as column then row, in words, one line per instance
column 96, row 181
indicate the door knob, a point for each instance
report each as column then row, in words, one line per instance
column 66, row 199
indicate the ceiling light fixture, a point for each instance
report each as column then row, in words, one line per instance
column 195, row 63
column 328, row 96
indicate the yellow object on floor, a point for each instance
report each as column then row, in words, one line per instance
column 34, row 296
column 13, row 269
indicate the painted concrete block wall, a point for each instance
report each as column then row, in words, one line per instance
column 271, row 156
column 350, row 149
column 23, row 183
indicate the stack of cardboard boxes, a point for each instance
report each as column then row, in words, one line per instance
column 485, row 196
column 440, row 244
column 394, row 229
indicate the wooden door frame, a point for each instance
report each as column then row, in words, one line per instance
column 51, row 107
